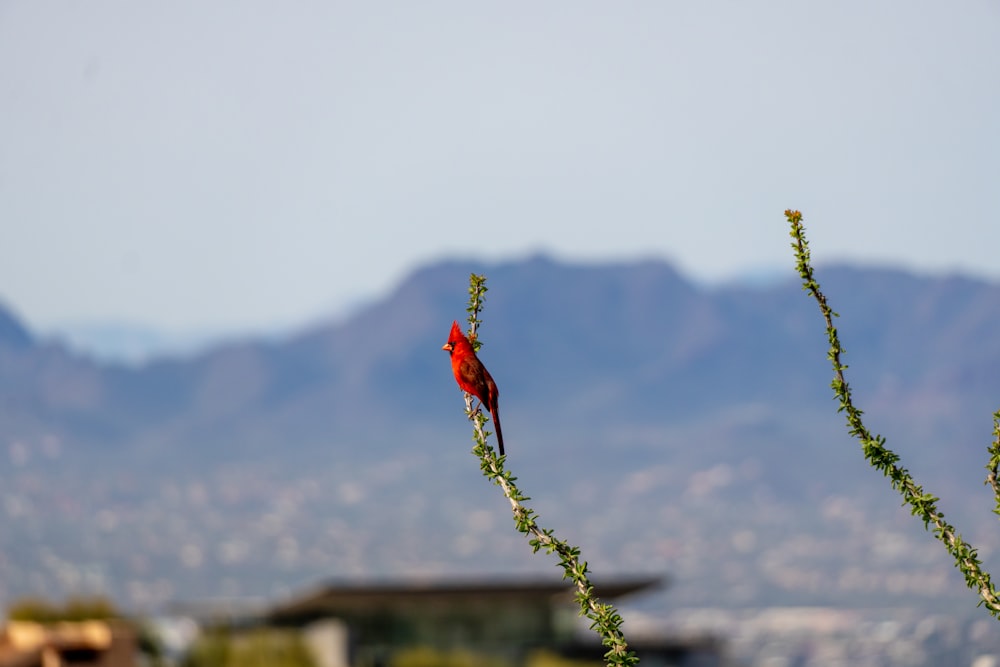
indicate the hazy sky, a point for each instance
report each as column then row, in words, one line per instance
column 244, row 165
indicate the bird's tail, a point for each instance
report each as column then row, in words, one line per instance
column 495, row 412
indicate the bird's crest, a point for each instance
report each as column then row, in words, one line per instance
column 456, row 334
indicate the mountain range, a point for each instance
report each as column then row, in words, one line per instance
column 664, row 426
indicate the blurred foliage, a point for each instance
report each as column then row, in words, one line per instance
column 549, row 659
column 210, row 650
column 74, row 609
column 422, row 656
column 256, row 648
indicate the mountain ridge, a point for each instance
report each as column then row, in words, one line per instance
column 638, row 407
column 642, row 337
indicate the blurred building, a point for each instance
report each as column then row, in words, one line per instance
column 65, row 644
column 355, row 625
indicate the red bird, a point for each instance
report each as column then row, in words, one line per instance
column 472, row 376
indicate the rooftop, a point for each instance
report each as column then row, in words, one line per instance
column 356, row 595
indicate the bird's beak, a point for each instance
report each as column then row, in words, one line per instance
column 446, row 346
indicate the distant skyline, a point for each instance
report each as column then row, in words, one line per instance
column 244, row 167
